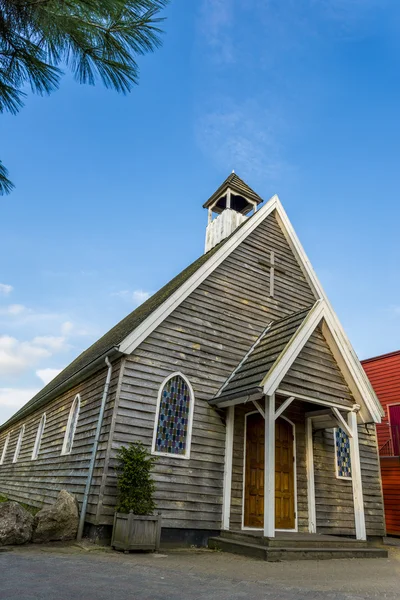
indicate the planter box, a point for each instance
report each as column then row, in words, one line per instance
column 134, row 532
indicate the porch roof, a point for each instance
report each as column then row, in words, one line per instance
column 247, row 378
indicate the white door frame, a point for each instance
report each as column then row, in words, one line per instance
column 245, row 528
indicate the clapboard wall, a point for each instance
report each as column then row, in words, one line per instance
column 37, row 482
column 316, row 374
column 334, row 497
column 204, row 338
column 295, row 413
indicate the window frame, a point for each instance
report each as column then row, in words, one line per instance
column 155, row 452
column 76, row 400
column 5, row 447
column 19, row 443
column 336, row 460
column 39, row 436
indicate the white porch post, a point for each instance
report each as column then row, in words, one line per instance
column 312, row 517
column 227, row 491
column 269, row 467
column 359, row 516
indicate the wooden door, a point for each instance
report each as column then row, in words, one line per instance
column 254, row 474
column 284, row 475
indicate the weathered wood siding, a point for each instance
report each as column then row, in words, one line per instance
column 204, row 338
column 316, row 374
column 295, row 413
column 334, row 497
column 37, row 482
column 371, row 480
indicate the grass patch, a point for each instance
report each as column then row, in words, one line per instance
column 31, row 509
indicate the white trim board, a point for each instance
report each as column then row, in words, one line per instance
column 292, row 349
column 137, row 336
column 355, row 369
column 349, row 363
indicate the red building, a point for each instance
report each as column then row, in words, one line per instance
column 384, row 374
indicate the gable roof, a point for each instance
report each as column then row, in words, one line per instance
column 132, row 330
column 237, row 185
column 263, row 368
column 249, row 375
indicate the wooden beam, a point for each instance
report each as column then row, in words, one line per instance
column 312, row 400
column 259, row 408
column 312, row 515
column 227, row 491
column 358, row 498
column 284, row 406
column 341, row 421
column 269, row 467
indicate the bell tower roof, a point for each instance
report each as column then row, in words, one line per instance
column 242, row 197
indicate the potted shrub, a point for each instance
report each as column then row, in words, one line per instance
column 136, row 527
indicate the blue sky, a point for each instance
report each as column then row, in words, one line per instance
column 300, row 97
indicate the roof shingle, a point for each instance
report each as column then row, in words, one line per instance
column 248, row 376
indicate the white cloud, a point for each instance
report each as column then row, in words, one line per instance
column 137, row 296
column 242, row 136
column 17, row 357
column 13, row 310
column 16, row 397
column 48, row 374
column 67, row 327
column 5, row 289
column 216, row 23
column 140, row 296
column 11, row 399
column 50, row 341
column 18, row 314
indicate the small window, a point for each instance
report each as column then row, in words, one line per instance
column 174, row 416
column 39, row 435
column 19, row 443
column 342, row 454
column 3, row 454
column 71, row 425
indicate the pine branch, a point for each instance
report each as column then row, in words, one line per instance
column 6, row 186
column 94, row 38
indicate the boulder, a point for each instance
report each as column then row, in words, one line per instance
column 57, row 522
column 16, row 524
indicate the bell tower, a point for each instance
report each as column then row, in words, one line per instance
column 228, row 207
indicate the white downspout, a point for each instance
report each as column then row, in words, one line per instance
column 94, row 451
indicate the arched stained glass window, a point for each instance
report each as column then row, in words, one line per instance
column 19, row 443
column 342, row 454
column 71, row 426
column 173, row 425
column 39, row 435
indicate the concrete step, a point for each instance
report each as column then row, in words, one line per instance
column 295, row 540
column 274, row 554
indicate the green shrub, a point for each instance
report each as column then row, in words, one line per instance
column 32, row 509
column 135, row 485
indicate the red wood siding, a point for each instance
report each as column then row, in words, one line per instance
column 390, row 470
column 384, row 374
